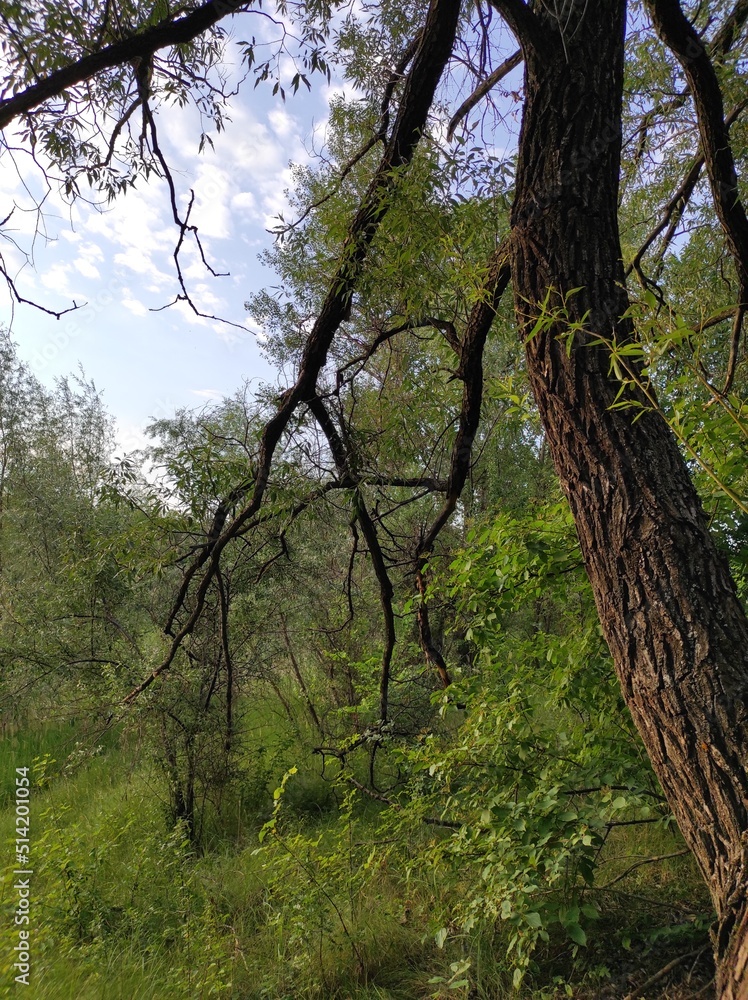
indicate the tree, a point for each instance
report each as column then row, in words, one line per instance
column 66, row 606
column 669, row 609
column 668, row 606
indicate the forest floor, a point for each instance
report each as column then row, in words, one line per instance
column 125, row 909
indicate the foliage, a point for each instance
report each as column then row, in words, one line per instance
column 463, row 837
column 527, row 777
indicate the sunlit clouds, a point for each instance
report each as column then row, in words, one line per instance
column 135, row 332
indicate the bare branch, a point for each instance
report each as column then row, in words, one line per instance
column 642, row 862
column 482, row 89
column 57, row 313
column 445, row 326
column 428, row 65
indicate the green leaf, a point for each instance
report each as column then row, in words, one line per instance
column 576, row 934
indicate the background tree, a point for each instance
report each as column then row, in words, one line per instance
column 667, row 603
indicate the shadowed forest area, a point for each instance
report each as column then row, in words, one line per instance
column 423, row 671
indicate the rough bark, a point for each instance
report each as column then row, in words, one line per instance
column 667, row 603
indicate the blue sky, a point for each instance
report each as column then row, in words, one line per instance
column 119, row 263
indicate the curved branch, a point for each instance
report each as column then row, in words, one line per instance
column 678, row 34
column 482, row 89
column 380, row 135
column 471, row 372
column 727, row 35
column 675, row 207
column 445, row 327
column 718, row 47
column 428, row 65
column 345, row 462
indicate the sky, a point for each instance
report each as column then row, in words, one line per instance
column 117, row 264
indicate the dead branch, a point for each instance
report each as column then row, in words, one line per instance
column 482, row 89
column 429, row 61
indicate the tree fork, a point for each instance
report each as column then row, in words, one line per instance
column 668, row 606
column 433, row 53
column 346, row 463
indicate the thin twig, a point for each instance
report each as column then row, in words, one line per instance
column 641, row 990
column 645, row 861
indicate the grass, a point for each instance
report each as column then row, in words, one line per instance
column 123, row 907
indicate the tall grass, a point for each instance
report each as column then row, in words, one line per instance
column 124, row 907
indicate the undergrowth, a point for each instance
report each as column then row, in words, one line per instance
column 339, row 899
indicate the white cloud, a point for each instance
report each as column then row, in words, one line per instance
column 135, row 306
column 134, row 259
column 212, row 189
column 137, row 227
column 205, row 297
column 91, row 251
column 207, row 393
column 283, row 124
column 55, row 277
column 274, row 200
column 244, row 202
column 110, row 259
column 86, row 268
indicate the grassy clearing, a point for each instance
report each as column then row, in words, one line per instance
column 123, row 907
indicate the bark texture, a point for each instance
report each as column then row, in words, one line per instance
column 667, row 603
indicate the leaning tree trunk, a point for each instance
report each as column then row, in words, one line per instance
column 668, row 606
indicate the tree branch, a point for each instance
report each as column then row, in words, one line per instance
column 471, row 372
column 379, row 136
column 482, row 89
column 678, row 34
column 345, row 462
column 141, row 45
column 675, row 207
column 445, row 327
column 719, row 46
column 429, row 62
column 645, row 861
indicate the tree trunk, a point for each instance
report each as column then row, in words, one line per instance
column 667, row 603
